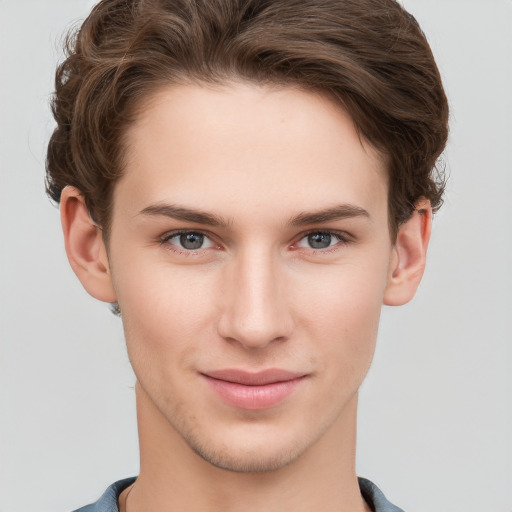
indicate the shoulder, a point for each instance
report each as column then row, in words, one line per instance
column 375, row 497
column 108, row 500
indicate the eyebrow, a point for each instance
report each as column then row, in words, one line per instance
column 186, row 214
column 342, row 211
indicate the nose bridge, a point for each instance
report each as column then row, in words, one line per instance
column 255, row 312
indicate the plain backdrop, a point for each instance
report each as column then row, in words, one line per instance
column 435, row 428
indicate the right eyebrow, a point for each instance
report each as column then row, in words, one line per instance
column 187, row 214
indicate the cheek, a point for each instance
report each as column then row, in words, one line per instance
column 162, row 311
column 341, row 316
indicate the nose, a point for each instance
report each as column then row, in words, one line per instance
column 255, row 309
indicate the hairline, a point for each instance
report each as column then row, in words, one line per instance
column 219, row 82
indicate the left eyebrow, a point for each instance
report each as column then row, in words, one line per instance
column 342, row 211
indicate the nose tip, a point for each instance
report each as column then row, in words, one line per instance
column 252, row 338
column 255, row 312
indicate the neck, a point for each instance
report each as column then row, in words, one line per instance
column 173, row 477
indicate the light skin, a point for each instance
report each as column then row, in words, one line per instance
column 249, row 232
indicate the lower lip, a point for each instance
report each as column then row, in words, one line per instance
column 253, row 397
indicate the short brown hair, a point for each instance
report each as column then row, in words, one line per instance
column 370, row 55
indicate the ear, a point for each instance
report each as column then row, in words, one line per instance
column 85, row 248
column 409, row 258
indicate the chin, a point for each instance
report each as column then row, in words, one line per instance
column 249, row 448
column 257, row 459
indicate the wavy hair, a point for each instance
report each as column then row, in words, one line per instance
column 369, row 55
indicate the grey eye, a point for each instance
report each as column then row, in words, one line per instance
column 191, row 240
column 319, row 240
column 188, row 240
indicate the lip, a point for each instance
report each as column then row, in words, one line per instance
column 253, row 391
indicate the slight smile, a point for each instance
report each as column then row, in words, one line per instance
column 253, row 391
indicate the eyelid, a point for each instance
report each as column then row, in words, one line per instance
column 337, row 232
column 342, row 236
column 184, row 231
column 166, row 237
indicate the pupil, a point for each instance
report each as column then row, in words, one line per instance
column 191, row 240
column 319, row 240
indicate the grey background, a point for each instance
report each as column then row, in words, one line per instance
column 435, row 429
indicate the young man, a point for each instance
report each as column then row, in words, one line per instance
column 247, row 182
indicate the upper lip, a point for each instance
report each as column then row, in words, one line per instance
column 270, row 376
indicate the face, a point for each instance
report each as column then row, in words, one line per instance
column 249, row 253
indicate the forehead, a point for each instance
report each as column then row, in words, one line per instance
column 242, row 145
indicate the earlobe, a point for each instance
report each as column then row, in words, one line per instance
column 85, row 247
column 410, row 251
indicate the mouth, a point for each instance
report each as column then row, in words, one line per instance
column 253, row 391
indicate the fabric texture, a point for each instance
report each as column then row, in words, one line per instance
column 375, row 498
column 108, row 501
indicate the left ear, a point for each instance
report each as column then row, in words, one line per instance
column 409, row 258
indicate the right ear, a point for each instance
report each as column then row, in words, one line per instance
column 85, row 247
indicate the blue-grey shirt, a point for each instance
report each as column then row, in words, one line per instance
column 108, row 501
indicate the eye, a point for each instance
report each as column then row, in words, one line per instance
column 319, row 240
column 188, row 240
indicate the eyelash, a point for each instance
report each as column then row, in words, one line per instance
column 165, row 241
column 343, row 239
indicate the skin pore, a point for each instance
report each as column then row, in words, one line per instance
column 249, row 233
